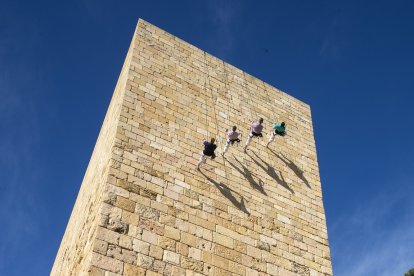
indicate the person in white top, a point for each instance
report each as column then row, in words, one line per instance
column 255, row 130
column 232, row 136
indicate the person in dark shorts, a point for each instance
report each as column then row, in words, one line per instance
column 278, row 129
column 209, row 148
column 255, row 131
column 232, row 137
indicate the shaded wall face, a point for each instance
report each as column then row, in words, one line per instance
column 250, row 213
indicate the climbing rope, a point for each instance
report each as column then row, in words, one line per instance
column 205, row 94
column 212, row 96
column 255, row 117
column 229, row 100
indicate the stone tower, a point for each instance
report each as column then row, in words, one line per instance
column 143, row 208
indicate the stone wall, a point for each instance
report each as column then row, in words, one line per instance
column 253, row 213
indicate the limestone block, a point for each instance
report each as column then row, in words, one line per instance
column 152, row 226
column 95, row 271
column 171, row 257
column 107, row 263
column 100, row 247
column 125, row 204
column 223, row 240
column 145, row 261
column 156, row 252
column 172, row 233
column 126, row 242
column 141, row 247
column 123, row 255
column 194, row 253
column 191, row 264
column 107, row 235
column 149, row 237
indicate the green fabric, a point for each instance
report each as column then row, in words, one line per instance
column 279, row 127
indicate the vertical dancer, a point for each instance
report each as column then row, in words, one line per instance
column 256, row 131
column 232, row 136
column 209, row 148
column 278, row 129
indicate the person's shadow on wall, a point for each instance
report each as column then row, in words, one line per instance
column 271, row 172
column 247, row 174
column 228, row 193
column 299, row 173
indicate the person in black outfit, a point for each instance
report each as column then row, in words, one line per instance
column 208, row 151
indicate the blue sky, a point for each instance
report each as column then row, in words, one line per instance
column 352, row 61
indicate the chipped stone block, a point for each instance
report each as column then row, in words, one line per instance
column 263, row 246
column 118, row 226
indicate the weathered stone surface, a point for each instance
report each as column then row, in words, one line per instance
column 145, row 261
column 100, row 247
column 160, row 267
column 151, row 226
column 95, row 271
column 300, row 269
column 107, row 235
column 167, row 243
column 191, row 264
column 118, row 226
column 171, row 257
column 123, row 255
column 107, row 263
column 132, row 270
column 125, row 204
column 143, row 208
column 147, row 193
column 147, row 212
column 129, row 186
column 263, row 246
column 228, row 253
column 156, row 252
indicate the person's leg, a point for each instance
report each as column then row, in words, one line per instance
column 249, row 139
column 203, row 159
column 226, row 147
column 271, row 138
